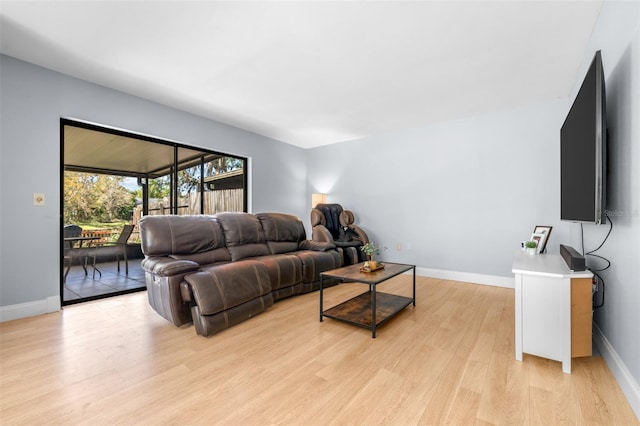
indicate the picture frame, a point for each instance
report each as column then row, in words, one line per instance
column 540, row 239
column 541, row 234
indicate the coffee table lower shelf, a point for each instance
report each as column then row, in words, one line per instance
column 357, row 310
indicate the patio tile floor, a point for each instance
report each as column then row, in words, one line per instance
column 79, row 286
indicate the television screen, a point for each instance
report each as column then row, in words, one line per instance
column 583, row 151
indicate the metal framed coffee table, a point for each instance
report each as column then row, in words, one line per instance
column 372, row 308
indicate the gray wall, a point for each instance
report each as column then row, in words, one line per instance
column 34, row 99
column 457, row 196
column 461, row 195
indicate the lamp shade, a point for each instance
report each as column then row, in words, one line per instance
column 318, row 199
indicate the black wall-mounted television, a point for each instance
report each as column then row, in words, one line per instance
column 583, row 151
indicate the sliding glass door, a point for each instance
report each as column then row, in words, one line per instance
column 109, row 180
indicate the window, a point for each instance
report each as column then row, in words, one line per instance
column 112, row 177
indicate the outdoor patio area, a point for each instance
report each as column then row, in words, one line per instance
column 80, row 286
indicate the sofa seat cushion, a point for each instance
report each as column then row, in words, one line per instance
column 206, row 257
column 315, row 262
column 285, row 270
column 221, row 287
column 316, row 245
column 279, row 247
column 240, row 252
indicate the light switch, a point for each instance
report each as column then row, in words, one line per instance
column 38, row 199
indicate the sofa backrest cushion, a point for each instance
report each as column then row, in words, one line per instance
column 167, row 234
column 283, row 232
column 243, row 234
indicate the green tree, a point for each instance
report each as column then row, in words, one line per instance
column 189, row 179
column 113, row 200
column 91, row 197
column 78, row 196
column 158, row 188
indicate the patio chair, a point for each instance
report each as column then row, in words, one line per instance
column 119, row 248
column 69, row 231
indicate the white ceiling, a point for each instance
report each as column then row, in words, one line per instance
column 311, row 73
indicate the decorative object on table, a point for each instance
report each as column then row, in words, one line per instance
column 370, row 249
column 542, row 234
column 371, row 266
column 539, row 239
column 531, row 247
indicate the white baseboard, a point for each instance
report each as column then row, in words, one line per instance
column 30, row 309
column 467, row 277
column 628, row 384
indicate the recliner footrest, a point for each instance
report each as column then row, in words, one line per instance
column 207, row 325
column 228, row 294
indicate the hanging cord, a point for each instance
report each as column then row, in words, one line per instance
column 598, row 306
column 591, row 253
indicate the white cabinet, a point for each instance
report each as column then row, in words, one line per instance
column 552, row 307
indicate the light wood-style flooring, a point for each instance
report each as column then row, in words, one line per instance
column 449, row 360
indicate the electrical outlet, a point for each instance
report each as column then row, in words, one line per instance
column 38, row 199
column 398, row 246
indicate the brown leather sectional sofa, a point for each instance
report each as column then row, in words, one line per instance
column 217, row 271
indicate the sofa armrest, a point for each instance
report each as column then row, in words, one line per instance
column 321, row 234
column 186, row 293
column 361, row 234
column 316, row 245
column 164, row 266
